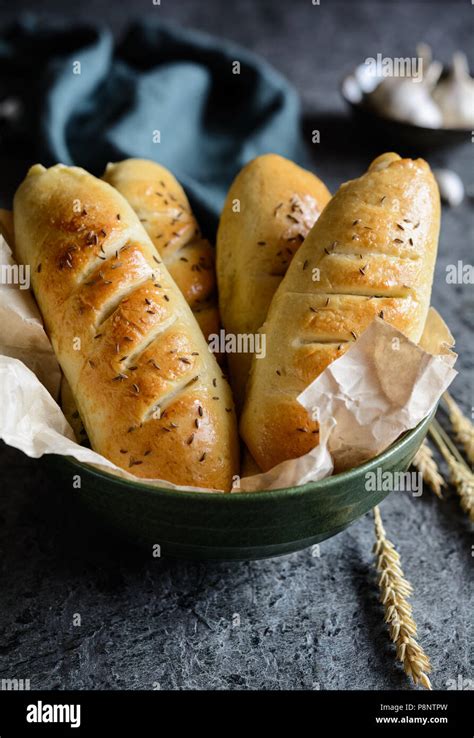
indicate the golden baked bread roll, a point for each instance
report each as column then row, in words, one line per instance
column 163, row 208
column 164, row 211
column 270, row 208
column 371, row 253
column 150, row 394
column 71, row 413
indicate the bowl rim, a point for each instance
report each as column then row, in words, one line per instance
column 264, row 495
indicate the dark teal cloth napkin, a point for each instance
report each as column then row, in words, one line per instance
column 159, row 78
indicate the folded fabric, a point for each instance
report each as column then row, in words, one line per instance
column 164, row 92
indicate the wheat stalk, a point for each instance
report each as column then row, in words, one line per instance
column 462, row 426
column 460, row 474
column 463, row 479
column 425, row 463
column 394, row 593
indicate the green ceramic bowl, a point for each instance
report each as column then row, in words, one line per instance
column 250, row 525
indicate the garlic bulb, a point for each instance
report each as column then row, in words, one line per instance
column 455, row 95
column 408, row 99
column 10, row 108
column 450, row 186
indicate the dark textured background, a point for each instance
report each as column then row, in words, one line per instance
column 305, row 621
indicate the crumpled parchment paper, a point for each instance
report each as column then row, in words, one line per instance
column 381, row 387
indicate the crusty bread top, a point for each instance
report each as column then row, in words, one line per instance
column 371, row 253
column 378, row 239
column 269, row 210
column 164, row 211
column 150, row 394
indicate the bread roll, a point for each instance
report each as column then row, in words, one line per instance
column 149, row 392
column 371, row 253
column 163, row 208
column 71, row 413
column 270, row 208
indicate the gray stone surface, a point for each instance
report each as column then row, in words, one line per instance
column 305, row 620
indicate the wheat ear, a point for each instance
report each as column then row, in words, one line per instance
column 394, row 593
column 460, row 474
column 425, row 463
column 462, row 426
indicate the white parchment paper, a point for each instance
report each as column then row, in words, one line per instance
column 382, row 386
